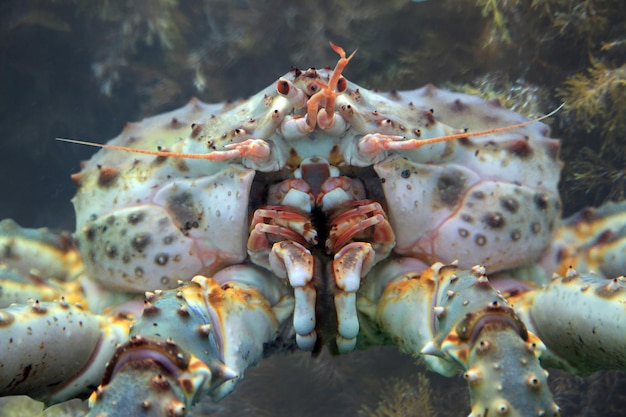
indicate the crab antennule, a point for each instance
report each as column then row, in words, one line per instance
column 217, row 155
column 420, row 143
column 341, row 64
column 141, row 151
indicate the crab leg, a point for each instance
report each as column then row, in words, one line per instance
column 35, row 343
column 35, row 263
column 591, row 240
column 472, row 331
column 195, row 341
column 18, row 292
column 38, row 251
column 580, row 319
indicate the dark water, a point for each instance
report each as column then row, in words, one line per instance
column 83, row 71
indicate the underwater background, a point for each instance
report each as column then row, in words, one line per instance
column 82, row 69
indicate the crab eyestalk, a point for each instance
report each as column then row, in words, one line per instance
column 195, row 341
column 461, row 324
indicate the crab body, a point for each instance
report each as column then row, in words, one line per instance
column 491, row 199
column 315, row 208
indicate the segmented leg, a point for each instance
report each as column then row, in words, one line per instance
column 578, row 317
column 39, row 252
column 196, row 341
column 591, row 240
column 36, row 264
column 55, row 351
column 461, row 325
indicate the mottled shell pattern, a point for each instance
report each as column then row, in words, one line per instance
column 145, row 222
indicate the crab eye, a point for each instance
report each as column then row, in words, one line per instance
column 342, row 85
column 282, row 87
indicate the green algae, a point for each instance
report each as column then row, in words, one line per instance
column 403, row 398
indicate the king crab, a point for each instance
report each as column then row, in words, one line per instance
column 316, row 213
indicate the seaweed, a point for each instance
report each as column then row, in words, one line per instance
column 494, row 10
column 403, row 398
column 587, row 20
column 580, row 48
column 595, row 102
column 134, row 24
column 599, row 178
column 518, row 95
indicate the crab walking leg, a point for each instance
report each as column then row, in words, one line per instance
column 593, row 239
column 14, row 291
column 195, row 341
column 461, row 324
column 49, row 254
column 55, row 351
column 38, row 264
column 580, row 318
